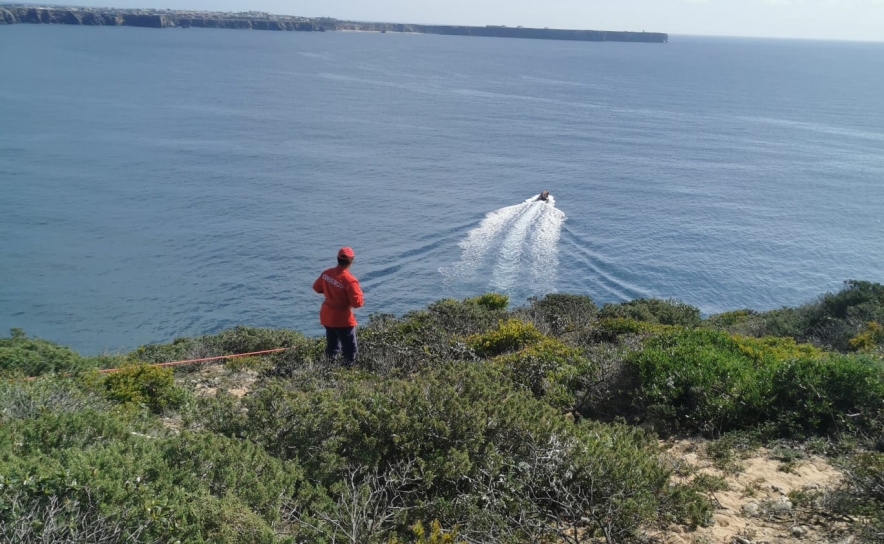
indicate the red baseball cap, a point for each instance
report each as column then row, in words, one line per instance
column 346, row 252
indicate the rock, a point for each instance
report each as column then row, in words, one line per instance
column 751, row 509
column 147, row 21
column 781, row 506
column 6, row 17
column 93, row 19
column 798, row 531
column 67, row 17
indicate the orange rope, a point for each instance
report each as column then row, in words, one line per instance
column 172, row 363
column 206, row 359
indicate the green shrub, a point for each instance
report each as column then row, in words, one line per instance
column 727, row 320
column 826, row 394
column 289, row 363
column 434, row 536
column 698, row 380
column 177, row 350
column 685, row 505
column 243, row 339
column 709, row 381
column 229, row 520
column 866, row 475
column 510, row 335
column 727, row 451
column 856, row 299
column 466, row 445
column 50, row 432
column 709, row 483
column 549, row 370
column 782, row 322
column 614, row 329
column 252, row 363
column 151, row 386
column 373, row 422
column 829, row 322
column 240, row 339
column 23, row 356
column 561, row 312
column 652, row 310
column 40, row 509
column 463, row 318
column 769, row 349
column 490, row 301
column 838, row 317
column 392, row 346
column 862, row 494
column 193, row 488
column 227, row 467
column 22, row 399
column 423, row 338
column 220, row 413
column 868, row 338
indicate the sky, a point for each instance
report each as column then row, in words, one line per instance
column 860, row 20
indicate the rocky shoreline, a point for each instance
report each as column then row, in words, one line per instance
column 149, row 18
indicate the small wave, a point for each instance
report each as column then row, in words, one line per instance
column 604, row 277
column 815, row 127
column 389, row 265
column 311, row 55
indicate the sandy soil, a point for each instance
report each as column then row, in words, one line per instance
column 216, row 377
column 755, row 508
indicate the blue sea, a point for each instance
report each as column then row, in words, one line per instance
column 161, row 183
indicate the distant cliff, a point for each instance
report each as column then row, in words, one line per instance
column 11, row 14
column 505, row 32
column 15, row 13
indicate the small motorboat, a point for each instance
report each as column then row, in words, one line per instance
column 544, row 196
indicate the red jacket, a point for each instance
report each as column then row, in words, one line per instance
column 341, row 292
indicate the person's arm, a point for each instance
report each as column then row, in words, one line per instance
column 317, row 285
column 354, row 294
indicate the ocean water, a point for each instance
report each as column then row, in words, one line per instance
column 159, row 183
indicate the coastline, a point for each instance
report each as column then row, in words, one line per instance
column 255, row 20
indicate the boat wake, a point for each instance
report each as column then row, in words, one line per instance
column 513, row 249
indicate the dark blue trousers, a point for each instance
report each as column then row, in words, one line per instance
column 341, row 339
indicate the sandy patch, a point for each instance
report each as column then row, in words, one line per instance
column 755, row 509
column 211, row 379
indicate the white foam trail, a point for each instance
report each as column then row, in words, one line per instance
column 509, row 256
column 544, row 248
column 479, row 241
column 515, row 246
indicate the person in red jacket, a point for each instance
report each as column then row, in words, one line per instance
column 342, row 293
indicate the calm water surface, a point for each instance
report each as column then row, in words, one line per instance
column 159, row 183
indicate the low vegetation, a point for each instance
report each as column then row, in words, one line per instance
column 466, row 421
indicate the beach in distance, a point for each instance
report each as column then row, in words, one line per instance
column 159, row 184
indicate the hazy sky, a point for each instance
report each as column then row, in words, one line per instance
column 812, row 19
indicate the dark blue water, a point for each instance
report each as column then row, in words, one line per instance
column 158, row 183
